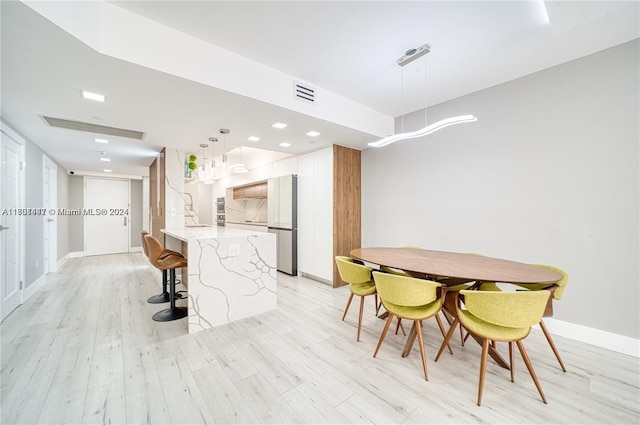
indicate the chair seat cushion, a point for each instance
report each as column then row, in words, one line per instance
column 363, row 288
column 489, row 330
column 413, row 313
column 489, row 286
column 459, row 287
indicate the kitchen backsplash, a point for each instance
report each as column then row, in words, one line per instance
column 252, row 210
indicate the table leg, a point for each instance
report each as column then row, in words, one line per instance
column 410, row 340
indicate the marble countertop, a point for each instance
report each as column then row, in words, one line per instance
column 209, row 232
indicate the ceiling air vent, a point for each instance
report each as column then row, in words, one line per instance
column 304, row 92
column 93, row 128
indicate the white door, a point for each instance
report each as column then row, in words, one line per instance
column 106, row 224
column 50, row 228
column 10, row 267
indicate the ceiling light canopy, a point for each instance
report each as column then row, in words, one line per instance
column 105, row 141
column 253, row 138
column 285, row 144
column 278, row 125
column 313, row 134
column 409, row 56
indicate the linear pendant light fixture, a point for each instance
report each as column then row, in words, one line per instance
column 409, row 57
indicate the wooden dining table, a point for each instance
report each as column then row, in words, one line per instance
column 453, row 268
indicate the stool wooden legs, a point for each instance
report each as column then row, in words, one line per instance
column 173, row 312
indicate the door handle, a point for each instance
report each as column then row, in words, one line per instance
column 3, row 228
column 125, row 220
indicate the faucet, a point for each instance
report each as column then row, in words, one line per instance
column 190, row 205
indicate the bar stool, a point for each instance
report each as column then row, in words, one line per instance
column 171, row 261
column 164, row 296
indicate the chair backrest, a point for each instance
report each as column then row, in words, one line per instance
column 154, row 248
column 144, row 242
column 404, row 290
column 510, row 309
column 557, row 294
column 351, row 272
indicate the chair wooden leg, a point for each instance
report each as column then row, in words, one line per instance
column 512, row 364
column 347, row 307
column 360, row 317
column 422, row 355
column 442, row 331
column 527, row 362
column 384, row 333
column 445, row 343
column 483, row 368
column 378, row 304
column 399, row 326
column 551, row 343
column 462, row 337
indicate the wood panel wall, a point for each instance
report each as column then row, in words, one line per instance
column 156, row 197
column 346, row 204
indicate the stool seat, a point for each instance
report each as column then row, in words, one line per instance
column 167, row 260
column 172, row 260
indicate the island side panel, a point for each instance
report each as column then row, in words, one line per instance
column 231, row 278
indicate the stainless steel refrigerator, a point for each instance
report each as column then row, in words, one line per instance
column 282, row 211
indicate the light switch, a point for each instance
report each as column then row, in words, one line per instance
column 234, row 250
column 173, row 212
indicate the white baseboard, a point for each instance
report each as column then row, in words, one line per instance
column 66, row 257
column 33, row 288
column 316, row 278
column 135, row 249
column 599, row 338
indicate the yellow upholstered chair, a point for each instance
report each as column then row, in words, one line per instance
column 359, row 279
column 557, row 289
column 412, row 299
column 501, row 316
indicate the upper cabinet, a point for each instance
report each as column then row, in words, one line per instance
column 257, row 190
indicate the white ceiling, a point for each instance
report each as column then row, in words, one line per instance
column 347, row 48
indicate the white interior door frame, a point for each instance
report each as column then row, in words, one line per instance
column 50, row 226
column 107, row 215
column 20, row 220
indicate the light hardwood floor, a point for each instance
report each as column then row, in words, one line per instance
column 85, row 350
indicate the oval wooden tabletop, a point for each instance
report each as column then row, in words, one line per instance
column 456, row 265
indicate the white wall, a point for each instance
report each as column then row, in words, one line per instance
column 548, row 174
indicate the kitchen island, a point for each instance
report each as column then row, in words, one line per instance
column 231, row 273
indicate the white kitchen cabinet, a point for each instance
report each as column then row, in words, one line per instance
column 315, row 213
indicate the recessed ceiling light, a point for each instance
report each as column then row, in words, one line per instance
column 105, row 159
column 253, row 138
column 101, row 140
column 278, row 125
column 313, row 134
column 106, row 171
column 93, row 96
column 285, row 144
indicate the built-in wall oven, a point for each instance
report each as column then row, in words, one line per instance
column 220, row 212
